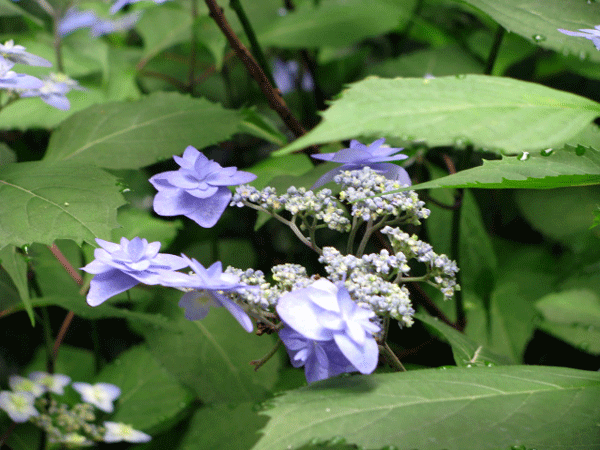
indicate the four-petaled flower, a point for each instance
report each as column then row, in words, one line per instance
column 75, row 19
column 21, row 384
column 118, row 432
column 198, row 189
column 210, row 286
column 18, row 405
column 593, row 34
column 323, row 312
column 119, row 267
column 53, row 382
column 101, row 395
column 18, row 55
column 360, row 155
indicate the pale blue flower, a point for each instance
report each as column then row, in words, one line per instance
column 53, row 382
column 359, row 155
column 210, row 286
column 119, row 267
column 21, row 384
column 198, row 189
column 593, row 34
column 124, row 23
column 12, row 80
column 119, row 432
column 286, row 74
column 101, row 395
column 53, row 90
column 18, row 55
column 18, row 405
column 324, row 311
column 75, row 19
column 119, row 4
column 321, row 359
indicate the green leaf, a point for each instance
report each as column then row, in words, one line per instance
column 289, row 165
column 14, row 264
column 78, row 363
column 212, row 356
column 46, row 202
column 467, row 352
column 491, row 112
column 503, row 406
column 10, row 9
column 136, row 134
column 539, row 21
column 574, row 316
column 560, row 168
column 260, row 126
column 336, row 24
column 150, row 395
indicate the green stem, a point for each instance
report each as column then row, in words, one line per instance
column 352, row 236
column 260, row 362
column 365, row 239
column 236, row 5
column 489, row 66
column 391, row 357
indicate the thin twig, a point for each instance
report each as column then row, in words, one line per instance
column 66, row 264
column 489, row 66
column 274, row 98
column 258, row 363
column 391, row 357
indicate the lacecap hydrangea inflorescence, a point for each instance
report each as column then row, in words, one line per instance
column 330, row 324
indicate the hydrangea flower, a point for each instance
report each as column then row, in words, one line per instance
column 119, row 267
column 75, row 19
column 593, row 34
column 53, row 90
column 18, row 405
column 324, row 311
column 22, row 384
column 53, row 382
column 198, row 189
column 119, row 4
column 13, row 80
column 101, row 395
column 359, row 155
column 286, row 74
column 321, row 359
column 18, row 55
column 210, row 286
column 118, row 432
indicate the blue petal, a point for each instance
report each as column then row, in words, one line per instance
column 236, row 311
column 364, row 357
column 108, row 284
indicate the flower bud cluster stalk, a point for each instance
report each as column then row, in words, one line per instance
column 329, row 325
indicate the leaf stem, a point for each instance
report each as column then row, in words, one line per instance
column 489, row 66
column 258, row 363
column 391, row 357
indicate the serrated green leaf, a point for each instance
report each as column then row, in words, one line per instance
column 212, row 356
column 335, row 23
column 260, row 126
column 467, row 352
column 14, row 265
column 66, row 200
column 539, row 20
column 428, row 409
column 576, row 306
column 136, row 134
column 150, row 395
column 561, row 168
column 490, row 112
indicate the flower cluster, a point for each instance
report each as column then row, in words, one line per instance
column 70, row 425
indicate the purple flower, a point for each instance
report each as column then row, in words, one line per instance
column 119, row 4
column 210, row 286
column 197, row 190
column 588, row 33
column 18, row 55
column 323, row 312
column 119, row 267
column 321, row 359
column 75, row 19
column 126, row 22
column 286, row 76
column 360, row 155
column 53, row 90
column 12, row 80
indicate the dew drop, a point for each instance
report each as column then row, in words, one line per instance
column 547, row 152
column 518, row 447
column 583, row 55
column 337, row 440
column 327, row 409
column 66, row 203
column 124, row 190
column 524, row 156
column 282, row 11
column 461, row 76
column 469, row 366
column 25, row 248
column 538, row 38
column 580, row 150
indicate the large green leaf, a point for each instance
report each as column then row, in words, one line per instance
column 539, row 21
column 212, row 356
column 150, row 395
column 475, row 408
column 490, row 112
column 136, row 134
column 335, row 23
column 68, row 200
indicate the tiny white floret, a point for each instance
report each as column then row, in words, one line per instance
column 101, row 395
column 117, row 432
column 18, row 405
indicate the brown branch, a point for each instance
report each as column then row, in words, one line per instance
column 273, row 96
column 66, row 264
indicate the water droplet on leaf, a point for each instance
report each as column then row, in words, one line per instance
column 66, row 203
column 539, row 38
column 547, row 152
column 524, row 156
column 461, row 76
column 580, row 150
